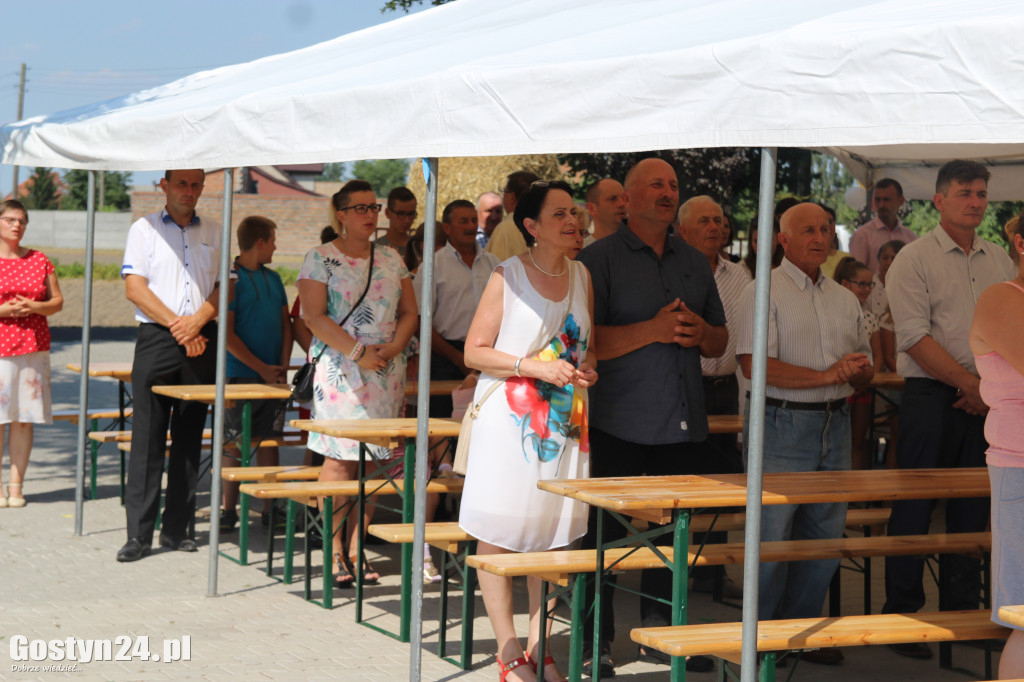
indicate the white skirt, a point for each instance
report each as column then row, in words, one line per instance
column 25, row 389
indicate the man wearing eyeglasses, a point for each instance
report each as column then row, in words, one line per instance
column 170, row 271
column 401, row 214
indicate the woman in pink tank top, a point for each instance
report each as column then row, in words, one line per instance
column 996, row 341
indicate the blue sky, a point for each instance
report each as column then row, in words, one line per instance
column 79, row 52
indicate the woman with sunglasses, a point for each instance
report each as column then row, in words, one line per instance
column 358, row 302
column 531, row 339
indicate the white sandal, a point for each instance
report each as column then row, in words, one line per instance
column 10, row 500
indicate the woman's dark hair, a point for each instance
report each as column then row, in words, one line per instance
column 328, row 234
column 340, row 199
column 847, row 268
column 751, row 258
column 13, row 205
column 532, row 201
column 895, row 245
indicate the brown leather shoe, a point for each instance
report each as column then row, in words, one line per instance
column 823, row 656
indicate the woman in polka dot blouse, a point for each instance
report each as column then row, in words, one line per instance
column 28, row 293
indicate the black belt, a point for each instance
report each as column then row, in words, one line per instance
column 719, row 379
column 827, row 406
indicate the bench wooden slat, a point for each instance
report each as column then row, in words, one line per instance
column 291, row 440
column 72, row 415
column 566, row 562
column 855, row 518
column 724, row 639
column 445, row 535
column 306, row 492
column 270, row 474
column 126, row 436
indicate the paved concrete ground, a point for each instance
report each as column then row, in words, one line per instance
column 54, row 585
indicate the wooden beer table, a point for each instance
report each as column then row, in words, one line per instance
column 383, row 432
column 233, row 393
column 672, row 499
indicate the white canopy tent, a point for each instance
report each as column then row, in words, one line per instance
column 876, row 83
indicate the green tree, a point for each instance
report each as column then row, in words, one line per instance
column 43, row 193
column 383, row 174
column 332, row 172
column 406, row 5
column 116, row 191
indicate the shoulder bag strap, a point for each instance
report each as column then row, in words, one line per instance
column 369, row 278
column 475, row 408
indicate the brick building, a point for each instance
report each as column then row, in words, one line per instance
column 288, row 195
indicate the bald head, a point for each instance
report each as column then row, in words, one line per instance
column 805, row 237
column 489, row 211
column 652, row 194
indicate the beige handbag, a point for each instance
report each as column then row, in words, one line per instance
column 462, row 447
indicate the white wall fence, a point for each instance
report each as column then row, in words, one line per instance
column 66, row 229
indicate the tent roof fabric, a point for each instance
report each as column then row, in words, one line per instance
column 872, row 82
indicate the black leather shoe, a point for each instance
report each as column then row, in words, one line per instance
column 133, row 550
column 604, row 663
column 179, row 544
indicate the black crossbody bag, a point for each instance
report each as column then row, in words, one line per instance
column 302, row 382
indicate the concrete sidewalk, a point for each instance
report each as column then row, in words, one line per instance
column 54, row 586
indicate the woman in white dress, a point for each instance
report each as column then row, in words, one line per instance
column 532, row 330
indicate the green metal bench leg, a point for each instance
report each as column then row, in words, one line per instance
column 243, row 502
column 680, row 575
column 94, row 449
column 542, row 638
column 767, row 671
column 408, row 516
column 579, row 598
column 328, row 535
column 468, row 607
column 289, row 542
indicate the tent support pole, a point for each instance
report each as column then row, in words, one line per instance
column 83, row 389
column 755, row 435
column 222, row 355
column 422, row 413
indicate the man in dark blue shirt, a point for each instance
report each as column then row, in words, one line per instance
column 656, row 311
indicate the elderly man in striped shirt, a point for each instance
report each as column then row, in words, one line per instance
column 818, row 355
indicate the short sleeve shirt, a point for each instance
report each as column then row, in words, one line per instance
column 653, row 395
column 180, row 264
column 257, row 304
column 456, row 290
column 25, row 276
column 810, row 324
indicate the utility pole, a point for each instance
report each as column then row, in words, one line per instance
column 21, row 109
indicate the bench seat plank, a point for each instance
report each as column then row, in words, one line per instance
column 306, row 492
column 725, row 639
column 445, row 535
column 270, row 474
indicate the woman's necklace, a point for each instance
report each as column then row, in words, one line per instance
column 545, row 272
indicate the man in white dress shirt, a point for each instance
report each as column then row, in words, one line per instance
column 461, row 271
column 170, row 271
column 818, row 355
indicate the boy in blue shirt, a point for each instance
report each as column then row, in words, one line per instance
column 259, row 340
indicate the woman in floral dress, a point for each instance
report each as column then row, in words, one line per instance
column 361, row 375
column 532, row 330
column 28, row 293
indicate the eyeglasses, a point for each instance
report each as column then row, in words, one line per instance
column 403, row 214
column 862, row 285
column 361, row 209
column 14, row 221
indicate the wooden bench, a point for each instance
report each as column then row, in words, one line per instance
column 270, row 474
column 94, row 417
column 556, row 567
column 446, row 536
column 724, row 640
column 308, row 493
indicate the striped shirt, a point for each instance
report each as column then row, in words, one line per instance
column 810, row 324
column 932, row 288
column 730, row 278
